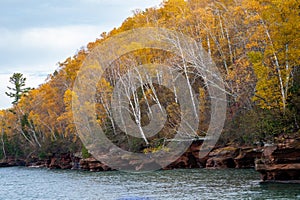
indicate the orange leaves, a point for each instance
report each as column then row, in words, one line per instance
column 66, row 118
column 244, row 38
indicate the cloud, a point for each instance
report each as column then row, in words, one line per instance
column 49, row 37
column 136, row 3
column 35, row 52
column 35, row 47
column 4, row 100
column 55, row 38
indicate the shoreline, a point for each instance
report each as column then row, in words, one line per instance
column 278, row 163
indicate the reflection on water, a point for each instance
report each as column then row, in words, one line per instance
column 25, row 183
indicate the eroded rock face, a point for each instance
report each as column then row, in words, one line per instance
column 91, row 164
column 247, row 156
column 226, row 157
column 190, row 159
column 63, row 161
column 280, row 162
column 233, row 157
column 11, row 162
column 222, row 158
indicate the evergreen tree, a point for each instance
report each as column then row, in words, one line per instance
column 18, row 90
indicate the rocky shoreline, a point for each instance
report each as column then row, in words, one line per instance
column 279, row 162
column 220, row 158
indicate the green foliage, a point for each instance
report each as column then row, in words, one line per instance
column 58, row 146
column 18, row 89
column 42, row 155
column 12, row 147
column 258, row 125
column 295, row 90
column 85, row 152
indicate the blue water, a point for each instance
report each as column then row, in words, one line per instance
column 25, row 183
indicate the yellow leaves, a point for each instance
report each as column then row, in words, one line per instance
column 156, row 149
column 7, row 119
column 251, row 5
column 267, row 87
column 66, row 117
column 241, row 79
column 2, row 112
column 255, row 57
column 174, row 7
column 133, row 45
column 69, row 94
column 173, row 14
column 71, row 66
column 274, row 42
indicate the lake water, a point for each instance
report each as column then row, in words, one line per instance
column 25, row 183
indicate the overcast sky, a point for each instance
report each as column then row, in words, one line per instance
column 37, row 34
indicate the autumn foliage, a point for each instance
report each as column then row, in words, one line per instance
column 254, row 43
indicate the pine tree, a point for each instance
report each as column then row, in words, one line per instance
column 18, row 90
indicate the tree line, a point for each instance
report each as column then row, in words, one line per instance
column 254, row 43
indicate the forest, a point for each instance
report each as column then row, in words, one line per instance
column 255, row 45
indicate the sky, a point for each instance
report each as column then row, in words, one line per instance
column 37, row 34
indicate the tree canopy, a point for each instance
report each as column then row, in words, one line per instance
column 254, row 43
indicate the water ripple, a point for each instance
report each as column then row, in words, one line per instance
column 26, row 184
